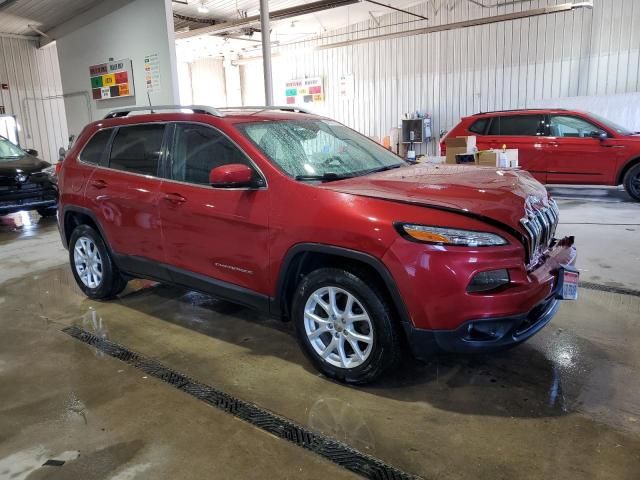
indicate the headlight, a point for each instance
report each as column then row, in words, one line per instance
column 50, row 171
column 449, row 236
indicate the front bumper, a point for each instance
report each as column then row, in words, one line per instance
column 33, row 198
column 485, row 335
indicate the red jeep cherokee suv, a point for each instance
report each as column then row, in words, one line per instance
column 301, row 217
column 561, row 146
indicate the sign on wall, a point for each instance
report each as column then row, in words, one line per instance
column 152, row 72
column 346, row 87
column 112, row 80
column 304, row 90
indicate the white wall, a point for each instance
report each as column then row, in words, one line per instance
column 514, row 64
column 34, row 94
column 208, row 82
column 139, row 28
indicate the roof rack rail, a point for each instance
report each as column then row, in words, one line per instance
column 283, row 108
column 518, row 110
column 123, row 112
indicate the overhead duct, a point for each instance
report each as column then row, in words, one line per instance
column 254, row 20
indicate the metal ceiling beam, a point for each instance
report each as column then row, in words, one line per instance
column 536, row 12
column 254, row 20
column 407, row 12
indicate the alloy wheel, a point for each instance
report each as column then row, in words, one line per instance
column 338, row 327
column 88, row 262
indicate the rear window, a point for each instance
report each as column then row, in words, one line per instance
column 137, row 149
column 479, row 126
column 525, row 125
column 94, row 150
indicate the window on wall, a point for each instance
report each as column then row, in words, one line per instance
column 137, row 149
column 198, row 150
column 566, row 126
column 523, row 125
column 94, row 150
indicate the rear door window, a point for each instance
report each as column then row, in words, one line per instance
column 137, row 149
column 94, row 150
column 521, row 125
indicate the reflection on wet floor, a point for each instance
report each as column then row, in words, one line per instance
column 24, row 224
column 567, row 394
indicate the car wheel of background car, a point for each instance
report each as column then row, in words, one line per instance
column 47, row 212
column 92, row 265
column 632, row 182
column 345, row 326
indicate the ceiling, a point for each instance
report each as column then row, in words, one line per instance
column 26, row 17
column 17, row 15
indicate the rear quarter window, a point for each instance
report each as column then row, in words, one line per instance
column 94, row 150
column 479, row 126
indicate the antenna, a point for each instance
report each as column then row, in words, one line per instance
column 149, row 98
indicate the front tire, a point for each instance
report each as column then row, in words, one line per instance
column 632, row 182
column 93, row 268
column 345, row 326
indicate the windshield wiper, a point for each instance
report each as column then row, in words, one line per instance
column 326, row 177
column 381, row 169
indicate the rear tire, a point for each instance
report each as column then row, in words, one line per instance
column 93, row 268
column 632, row 182
column 345, row 326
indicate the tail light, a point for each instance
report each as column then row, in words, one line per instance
column 58, row 167
column 443, row 148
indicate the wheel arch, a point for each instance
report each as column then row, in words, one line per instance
column 303, row 258
column 625, row 168
column 72, row 217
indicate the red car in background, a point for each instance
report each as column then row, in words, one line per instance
column 302, row 218
column 561, row 146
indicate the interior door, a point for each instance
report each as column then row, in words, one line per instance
column 524, row 132
column 124, row 193
column 217, row 233
column 576, row 155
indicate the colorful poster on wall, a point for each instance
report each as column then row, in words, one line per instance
column 304, row 90
column 152, row 72
column 112, row 80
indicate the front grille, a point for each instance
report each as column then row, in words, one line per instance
column 540, row 225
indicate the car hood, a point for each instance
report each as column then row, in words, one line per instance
column 501, row 195
column 26, row 164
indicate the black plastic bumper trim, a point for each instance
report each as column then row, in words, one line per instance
column 327, row 447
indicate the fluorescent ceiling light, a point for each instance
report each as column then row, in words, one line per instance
column 202, row 8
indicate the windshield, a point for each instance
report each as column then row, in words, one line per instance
column 319, row 149
column 613, row 126
column 9, row 151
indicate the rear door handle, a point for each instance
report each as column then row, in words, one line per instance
column 99, row 184
column 174, row 198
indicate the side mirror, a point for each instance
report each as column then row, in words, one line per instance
column 31, row 152
column 234, row 175
column 600, row 135
column 61, row 154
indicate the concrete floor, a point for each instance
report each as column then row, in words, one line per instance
column 565, row 405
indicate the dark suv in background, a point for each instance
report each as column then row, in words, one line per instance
column 561, row 146
column 26, row 182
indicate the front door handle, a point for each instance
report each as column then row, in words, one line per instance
column 174, row 198
column 99, row 184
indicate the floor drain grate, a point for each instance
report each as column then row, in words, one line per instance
column 327, row 447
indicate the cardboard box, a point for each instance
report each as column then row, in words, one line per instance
column 452, row 152
column 488, row 158
column 459, row 145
